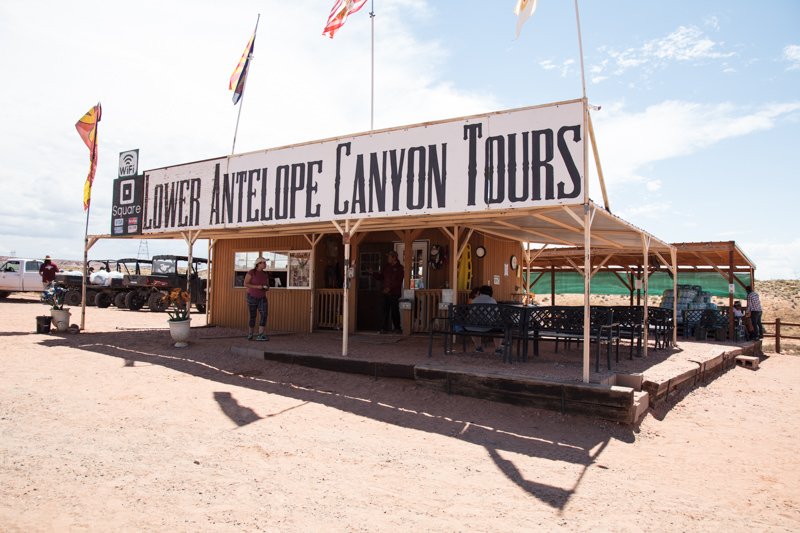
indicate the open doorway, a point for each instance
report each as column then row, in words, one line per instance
column 419, row 262
column 371, row 257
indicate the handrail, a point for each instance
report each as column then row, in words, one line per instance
column 778, row 335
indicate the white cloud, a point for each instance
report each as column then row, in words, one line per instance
column 166, row 94
column 653, row 185
column 646, row 211
column 565, row 68
column 791, row 54
column 547, row 64
column 686, row 44
column 775, row 260
column 712, row 22
column 629, row 142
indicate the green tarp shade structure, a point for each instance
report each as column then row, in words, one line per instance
column 609, row 283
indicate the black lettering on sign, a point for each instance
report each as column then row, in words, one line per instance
column 213, row 217
column 282, row 192
column 397, row 176
column 148, row 222
column 512, row 168
column 424, row 177
column 359, row 186
column 311, row 188
column 472, row 132
column 253, row 177
column 377, row 183
column 495, row 163
column 266, row 214
column 501, row 171
column 572, row 170
column 338, row 208
column 543, row 142
column 298, row 184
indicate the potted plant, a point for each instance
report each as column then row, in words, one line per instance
column 54, row 297
column 178, row 307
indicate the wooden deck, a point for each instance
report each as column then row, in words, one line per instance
column 551, row 381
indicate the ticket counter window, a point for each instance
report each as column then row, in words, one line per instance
column 287, row 269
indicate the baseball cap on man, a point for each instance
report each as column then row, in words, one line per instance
column 392, row 253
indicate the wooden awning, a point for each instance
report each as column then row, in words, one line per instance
column 691, row 257
column 556, row 225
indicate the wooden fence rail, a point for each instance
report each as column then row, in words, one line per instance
column 777, row 334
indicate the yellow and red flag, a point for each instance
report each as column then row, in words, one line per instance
column 239, row 76
column 341, row 10
column 87, row 129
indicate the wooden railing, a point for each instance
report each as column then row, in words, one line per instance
column 426, row 307
column 329, row 306
column 778, row 334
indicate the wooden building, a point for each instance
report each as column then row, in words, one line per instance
column 460, row 200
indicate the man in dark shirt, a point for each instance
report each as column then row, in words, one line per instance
column 392, row 276
column 48, row 271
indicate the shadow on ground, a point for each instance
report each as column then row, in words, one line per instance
column 497, row 427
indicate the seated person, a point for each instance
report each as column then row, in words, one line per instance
column 484, row 296
column 738, row 312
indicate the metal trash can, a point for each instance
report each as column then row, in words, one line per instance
column 43, row 324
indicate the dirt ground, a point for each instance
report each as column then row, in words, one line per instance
column 115, row 429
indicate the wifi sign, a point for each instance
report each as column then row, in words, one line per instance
column 128, row 163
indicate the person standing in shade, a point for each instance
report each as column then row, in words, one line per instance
column 754, row 308
column 48, row 271
column 257, row 283
column 392, row 276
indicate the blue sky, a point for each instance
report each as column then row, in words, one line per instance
column 697, row 131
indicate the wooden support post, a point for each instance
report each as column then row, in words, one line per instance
column 633, row 284
column 673, row 253
column 587, row 290
column 645, row 279
column 639, row 289
column 730, row 294
column 553, row 285
column 778, row 335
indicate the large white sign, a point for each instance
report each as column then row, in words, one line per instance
column 521, row 158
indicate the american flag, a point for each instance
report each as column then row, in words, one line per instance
column 341, row 10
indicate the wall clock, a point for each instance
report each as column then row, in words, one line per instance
column 480, row 251
column 513, row 262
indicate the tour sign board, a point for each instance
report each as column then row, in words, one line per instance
column 519, row 158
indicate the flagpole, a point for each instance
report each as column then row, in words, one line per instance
column 93, row 170
column 580, row 48
column 241, row 99
column 372, row 68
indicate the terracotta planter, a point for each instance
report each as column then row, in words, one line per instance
column 180, row 332
column 60, row 319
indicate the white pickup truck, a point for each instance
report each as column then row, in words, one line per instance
column 20, row 275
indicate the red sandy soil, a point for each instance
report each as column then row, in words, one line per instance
column 115, row 429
